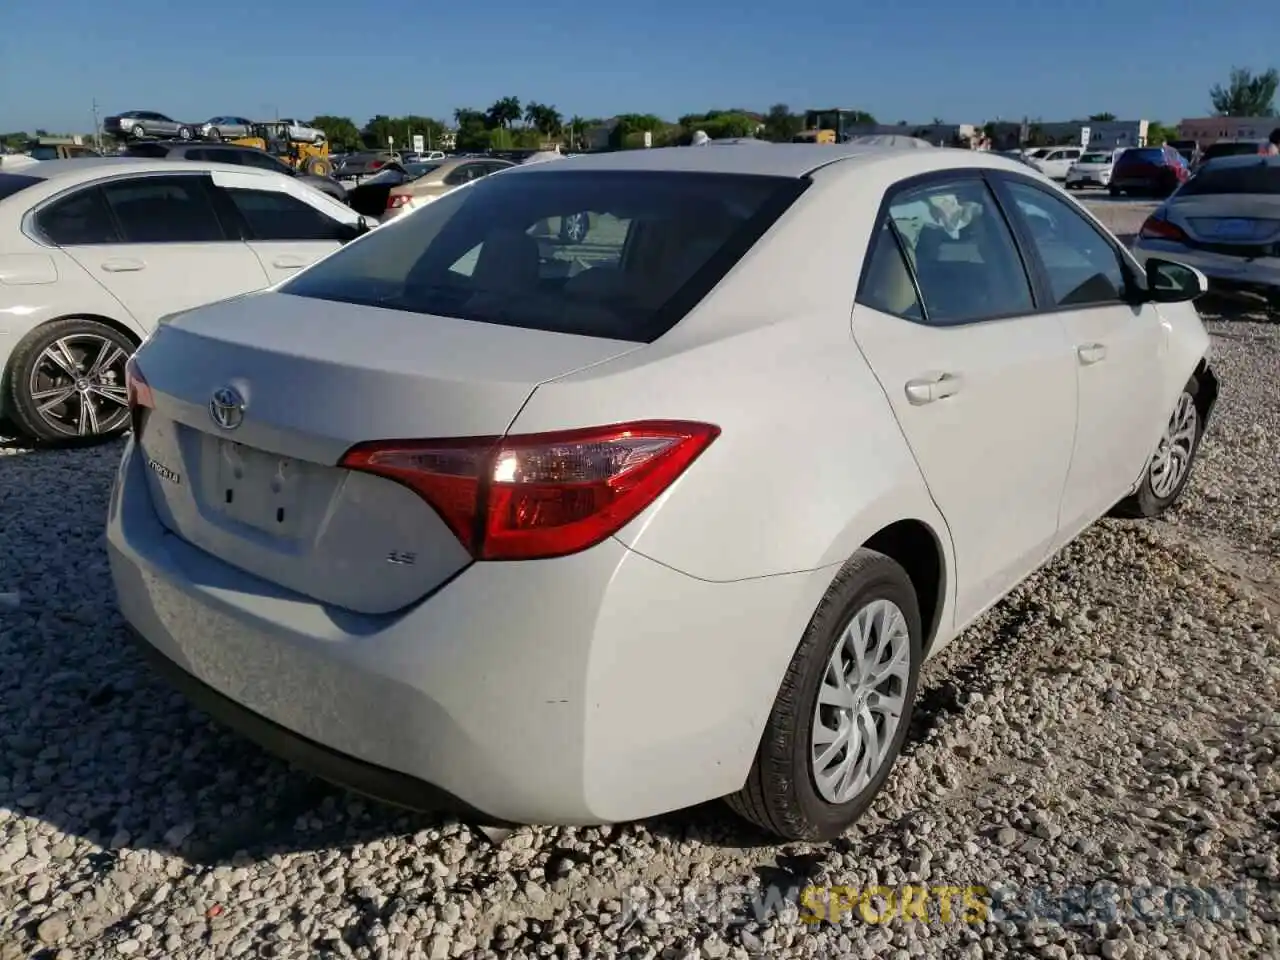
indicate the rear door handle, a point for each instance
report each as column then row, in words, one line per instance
column 123, row 265
column 290, row 262
column 1091, row 353
column 924, row 390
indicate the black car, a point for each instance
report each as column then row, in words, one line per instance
column 234, row 154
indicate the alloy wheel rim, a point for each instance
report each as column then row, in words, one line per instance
column 78, row 385
column 1173, row 454
column 861, row 701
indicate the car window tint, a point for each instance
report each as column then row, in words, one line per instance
column 82, row 218
column 463, row 174
column 655, row 243
column 262, row 161
column 962, row 252
column 149, row 150
column 1082, row 266
column 887, row 286
column 164, row 210
column 278, row 216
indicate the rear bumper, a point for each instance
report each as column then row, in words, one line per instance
column 594, row 688
column 1224, row 272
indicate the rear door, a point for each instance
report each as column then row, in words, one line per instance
column 285, row 232
column 167, row 250
column 1118, row 347
column 983, row 384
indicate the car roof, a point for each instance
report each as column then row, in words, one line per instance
column 780, row 160
column 90, row 168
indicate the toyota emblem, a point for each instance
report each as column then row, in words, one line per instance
column 226, row 408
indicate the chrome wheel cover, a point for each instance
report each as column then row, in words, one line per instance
column 861, row 700
column 77, row 385
column 1172, row 459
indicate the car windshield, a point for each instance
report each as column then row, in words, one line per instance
column 1096, row 158
column 11, row 183
column 616, row 254
column 1145, row 155
column 44, row 153
column 1260, row 178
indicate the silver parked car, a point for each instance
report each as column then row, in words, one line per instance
column 1225, row 222
column 139, row 124
column 226, row 128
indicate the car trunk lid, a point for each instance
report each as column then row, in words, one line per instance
column 1228, row 218
column 316, row 377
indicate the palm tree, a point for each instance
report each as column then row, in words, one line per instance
column 505, row 112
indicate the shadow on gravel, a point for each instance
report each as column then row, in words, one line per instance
column 96, row 746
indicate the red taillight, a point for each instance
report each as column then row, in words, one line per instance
column 1158, row 228
column 374, row 165
column 539, row 495
column 137, row 390
column 395, row 201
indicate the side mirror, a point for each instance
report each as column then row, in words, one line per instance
column 1171, row 282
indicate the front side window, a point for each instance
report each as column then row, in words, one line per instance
column 657, row 243
column 961, row 251
column 1083, row 268
column 79, row 219
column 164, row 210
column 279, row 216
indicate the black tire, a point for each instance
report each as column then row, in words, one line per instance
column 184, row 133
column 215, row 135
column 1145, row 503
column 138, row 131
column 1114, row 191
column 24, row 410
column 780, row 794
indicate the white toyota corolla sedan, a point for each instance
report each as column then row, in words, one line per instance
column 580, row 533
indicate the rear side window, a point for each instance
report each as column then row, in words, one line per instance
column 164, row 210
column 1231, row 150
column 961, row 252
column 278, row 216
column 78, row 220
column 260, row 160
column 655, row 243
column 1260, row 178
column 11, row 183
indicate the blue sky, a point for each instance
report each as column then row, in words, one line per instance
column 961, row 60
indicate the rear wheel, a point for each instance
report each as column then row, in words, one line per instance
column 1114, row 191
column 184, row 133
column 66, row 381
column 1169, row 468
column 139, row 132
column 216, row 135
column 842, row 712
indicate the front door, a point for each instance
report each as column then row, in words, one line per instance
column 982, row 385
column 1118, row 348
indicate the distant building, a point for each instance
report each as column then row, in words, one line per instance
column 1103, row 134
column 1209, row 130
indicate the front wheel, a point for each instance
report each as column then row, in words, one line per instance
column 184, row 133
column 1169, row 468
column 139, row 132
column 66, row 381
column 840, row 718
column 215, row 135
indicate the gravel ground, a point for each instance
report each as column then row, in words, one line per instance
column 1114, row 721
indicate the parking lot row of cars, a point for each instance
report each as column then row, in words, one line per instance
column 150, row 124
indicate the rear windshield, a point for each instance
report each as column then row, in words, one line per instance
column 1230, row 150
column 1251, row 179
column 616, row 254
column 1144, row 155
column 1096, row 158
column 153, row 150
column 11, row 183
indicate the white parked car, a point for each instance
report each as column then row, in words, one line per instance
column 1055, row 163
column 93, row 252
column 302, row 131
column 1093, row 169
column 584, row 542
column 1224, row 221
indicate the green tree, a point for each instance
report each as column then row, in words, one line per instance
column 1247, row 94
column 544, row 118
column 505, row 112
column 341, row 132
column 780, row 124
column 1158, row 133
column 1102, row 117
column 577, row 129
column 473, row 132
